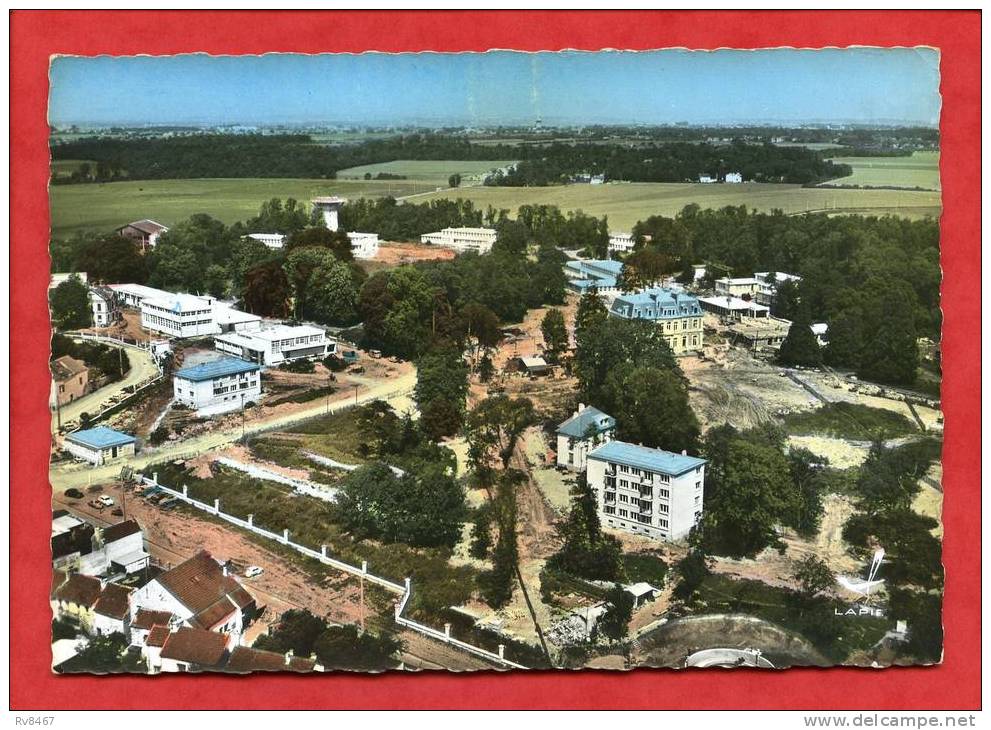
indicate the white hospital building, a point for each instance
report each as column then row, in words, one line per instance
column 275, row 344
column 646, row 491
column 218, row 386
column 621, row 242
column 461, row 240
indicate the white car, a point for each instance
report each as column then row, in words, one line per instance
column 107, row 501
column 253, row 571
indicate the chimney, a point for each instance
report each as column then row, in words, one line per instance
column 226, row 572
column 581, row 407
column 289, row 657
column 684, row 452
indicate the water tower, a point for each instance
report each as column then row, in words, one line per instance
column 329, row 207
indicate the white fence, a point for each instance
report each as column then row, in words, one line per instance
column 404, row 591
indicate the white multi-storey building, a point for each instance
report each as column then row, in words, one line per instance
column 648, row 491
column 587, row 429
column 218, row 386
column 462, row 239
column 364, row 245
column 179, row 315
column 274, row 344
column 621, row 242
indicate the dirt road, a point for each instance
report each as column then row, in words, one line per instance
column 71, row 474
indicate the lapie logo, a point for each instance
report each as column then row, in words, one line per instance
column 865, row 588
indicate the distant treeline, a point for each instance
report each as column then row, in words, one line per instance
column 297, row 156
column 677, row 162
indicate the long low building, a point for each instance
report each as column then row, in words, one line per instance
column 183, row 315
column 462, row 239
column 647, row 491
column 99, row 445
column 734, row 307
column 599, row 274
column 275, row 344
column 218, row 386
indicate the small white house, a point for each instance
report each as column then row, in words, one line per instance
column 734, row 177
column 707, row 179
column 99, row 445
column 363, row 245
column 585, row 430
column 650, row 492
column 274, row 344
column 219, row 386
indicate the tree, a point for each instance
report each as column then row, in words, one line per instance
column 555, row 334
column 591, row 311
column 846, row 339
column 336, row 242
column 345, row 647
column 408, row 326
column 494, row 426
column 104, row 655
column 331, row 295
column 276, row 217
column 651, row 407
column 814, row 576
column 441, row 390
column 496, row 585
column 482, row 327
column 585, row 550
column 883, row 484
column 511, row 238
column 643, row 268
column 266, row 290
column 891, row 353
column 754, row 495
column 111, row 259
column 693, row 569
column 486, row 369
column 806, row 474
column 481, row 533
column 70, row 306
column 615, row 623
column 786, row 300
column 454, row 181
column 297, row 631
column 800, row 346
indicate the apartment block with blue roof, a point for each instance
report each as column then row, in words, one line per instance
column 645, row 491
column 677, row 313
column 218, row 386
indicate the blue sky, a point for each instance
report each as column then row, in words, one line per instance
column 658, row 87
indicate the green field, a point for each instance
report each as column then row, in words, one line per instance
column 921, row 170
column 103, row 207
column 432, row 170
column 627, row 203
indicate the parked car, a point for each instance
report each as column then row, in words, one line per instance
column 253, row 571
column 107, row 500
column 118, row 512
column 73, row 493
column 96, row 504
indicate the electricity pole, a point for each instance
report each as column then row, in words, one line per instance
column 356, row 394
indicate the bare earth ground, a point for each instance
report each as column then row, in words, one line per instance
column 395, row 253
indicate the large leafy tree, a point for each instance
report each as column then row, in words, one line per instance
column 494, row 427
column 331, row 295
column 555, row 334
column 890, row 354
column 278, row 217
column 69, row 303
column 441, row 389
column 111, row 259
column 585, row 550
column 800, row 346
column 615, row 623
column 336, row 242
column 806, row 471
column 651, row 407
column 266, row 290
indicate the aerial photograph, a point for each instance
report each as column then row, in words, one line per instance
column 495, row 361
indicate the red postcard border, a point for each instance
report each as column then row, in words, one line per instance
column 36, row 35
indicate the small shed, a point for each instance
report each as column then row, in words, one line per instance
column 642, row 593
column 99, row 445
column 533, row 366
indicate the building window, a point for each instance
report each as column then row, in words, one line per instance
column 624, row 513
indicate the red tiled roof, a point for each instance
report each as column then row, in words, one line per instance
column 81, row 590
column 58, row 578
column 113, row 602
column 245, row 659
column 215, row 615
column 120, row 530
column 199, row 584
column 67, row 367
column 196, row 646
column 157, row 636
column 146, row 619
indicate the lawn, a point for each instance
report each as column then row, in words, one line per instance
column 920, row 170
column 436, row 171
column 627, row 203
column 850, row 421
column 103, row 207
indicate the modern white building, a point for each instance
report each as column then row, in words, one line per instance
column 621, row 242
column 219, row 386
column 462, row 239
column 131, row 295
column 99, row 445
column 762, row 286
column 272, row 240
column 734, row 177
column 587, row 429
column 733, row 307
column 179, row 315
column 274, row 344
column 769, row 282
column 364, row 245
column 650, row 492
column 600, row 274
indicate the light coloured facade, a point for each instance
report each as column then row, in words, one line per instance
column 738, row 287
column 761, row 287
column 99, row 445
column 600, row 274
column 587, row 429
column 219, row 386
column 734, row 307
column 103, row 306
column 179, row 315
column 70, row 380
column 621, row 242
column 462, row 239
column 275, row 344
column 734, row 177
column 647, row 491
column 330, row 208
column 677, row 314
column 272, row 240
column 364, row 245
column 131, row 295
column 769, row 283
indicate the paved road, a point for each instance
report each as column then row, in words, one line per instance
column 72, row 474
column 142, row 368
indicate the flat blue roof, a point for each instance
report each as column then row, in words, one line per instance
column 100, row 437
column 217, row 369
column 577, row 426
column 665, row 462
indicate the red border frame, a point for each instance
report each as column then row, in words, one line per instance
column 35, row 35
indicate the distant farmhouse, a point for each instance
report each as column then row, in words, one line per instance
column 143, row 232
column 678, row 314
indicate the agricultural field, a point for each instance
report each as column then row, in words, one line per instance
column 627, row 203
column 921, row 170
column 428, row 170
column 103, row 207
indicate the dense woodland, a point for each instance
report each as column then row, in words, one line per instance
column 298, row 156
